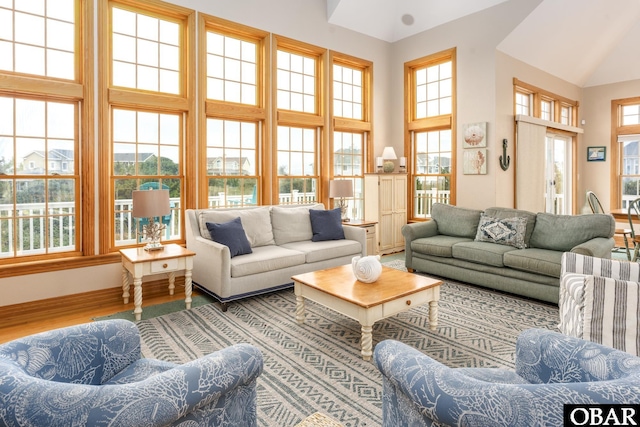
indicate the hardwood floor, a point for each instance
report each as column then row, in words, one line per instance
column 26, row 319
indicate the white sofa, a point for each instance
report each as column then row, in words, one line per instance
column 280, row 239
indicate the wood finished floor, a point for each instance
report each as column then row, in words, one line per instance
column 21, row 321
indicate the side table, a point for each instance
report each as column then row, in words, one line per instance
column 140, row 263
column 370, row 228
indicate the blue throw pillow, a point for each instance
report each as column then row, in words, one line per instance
column 326, row 225
column 232, row 235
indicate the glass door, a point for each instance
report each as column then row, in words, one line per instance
column 558, row 174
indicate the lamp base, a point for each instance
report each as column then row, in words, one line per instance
column 388, row 166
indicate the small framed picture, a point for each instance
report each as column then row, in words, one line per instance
column 596, row 154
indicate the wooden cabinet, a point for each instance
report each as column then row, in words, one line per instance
column 385, row 202
column 370, row 229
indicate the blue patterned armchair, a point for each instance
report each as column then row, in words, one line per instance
column 551, row 369
column 93, row 375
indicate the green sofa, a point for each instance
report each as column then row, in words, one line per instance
column 516, row 251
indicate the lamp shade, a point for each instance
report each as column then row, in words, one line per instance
column 389, row 153
column 340, row 188
column 150, row 203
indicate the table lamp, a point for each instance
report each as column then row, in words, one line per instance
column 388, row 154
column 339, row 189
column 151, row 204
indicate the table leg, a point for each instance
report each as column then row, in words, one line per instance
column 367, row 342
column 125, row 285
column 137, row 297
column 172, row 282
column 300, row 309
column 187, row 288
column 433, row 315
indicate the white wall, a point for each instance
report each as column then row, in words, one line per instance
column 475, row 38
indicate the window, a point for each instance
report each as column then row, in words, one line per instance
column 430, row 131
column 351, row 125
column 625, row 149
column 299, row 122
column 523, row 103
column 535, row 102
column 147, row 121
column 233, row 116
column 41, row 106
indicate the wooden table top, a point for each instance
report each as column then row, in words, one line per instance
column 169, row 251
column 341, row 283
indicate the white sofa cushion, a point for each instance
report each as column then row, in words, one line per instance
column 264, row 259
column 255, row 221
column 324, row 250
column 292, row 223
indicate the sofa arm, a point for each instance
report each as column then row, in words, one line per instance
column 413, row 231
column 359, row 235
column 547, row 357
column 211, row 265
column 100, row 349
column 597, row 247
column 572, row 262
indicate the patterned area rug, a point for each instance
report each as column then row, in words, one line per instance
column 317, row 367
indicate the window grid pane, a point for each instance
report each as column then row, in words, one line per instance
column 522, row 104
column 146, row 52
column 347, row 92
column 631, row 114
column 232, row 69
column 296, row 82
column 433, row 90
column 432, row 170
column 38, row 189
column 348, row 160
column 297, row 170
column 232, row 157
column 147, row 154
column 39, row 40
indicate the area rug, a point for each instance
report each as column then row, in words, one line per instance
column 317, row 366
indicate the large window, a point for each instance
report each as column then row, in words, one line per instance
column 234, row 115
column 625, row 149
column 351, row 125
column 299, row 122
column 430, row 138
column 42, row 96
column 147, row 126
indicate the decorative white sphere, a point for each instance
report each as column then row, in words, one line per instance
column 366, row 269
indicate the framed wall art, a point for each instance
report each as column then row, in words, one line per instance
column 474, row 135
column 596, row 154
column 475, row 162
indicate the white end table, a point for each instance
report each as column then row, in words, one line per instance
column 140, row 263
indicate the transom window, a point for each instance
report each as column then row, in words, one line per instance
column 535, row 102
column 523, row 103
column 296, row 82
column 231, row 69
column 630, row 115
column 38, row 37
column 433, row 90
column 145, row 52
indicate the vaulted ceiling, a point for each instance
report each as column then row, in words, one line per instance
column 585, row 42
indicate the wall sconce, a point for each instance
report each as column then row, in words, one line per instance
column 339, row 189
column 151, row 204
column 388, row 154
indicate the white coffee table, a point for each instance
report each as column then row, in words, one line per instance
column 394, row 292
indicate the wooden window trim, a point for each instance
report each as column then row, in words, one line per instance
column 230, row 110
column 411, row 124
column 618, row 129
column 116, row 97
